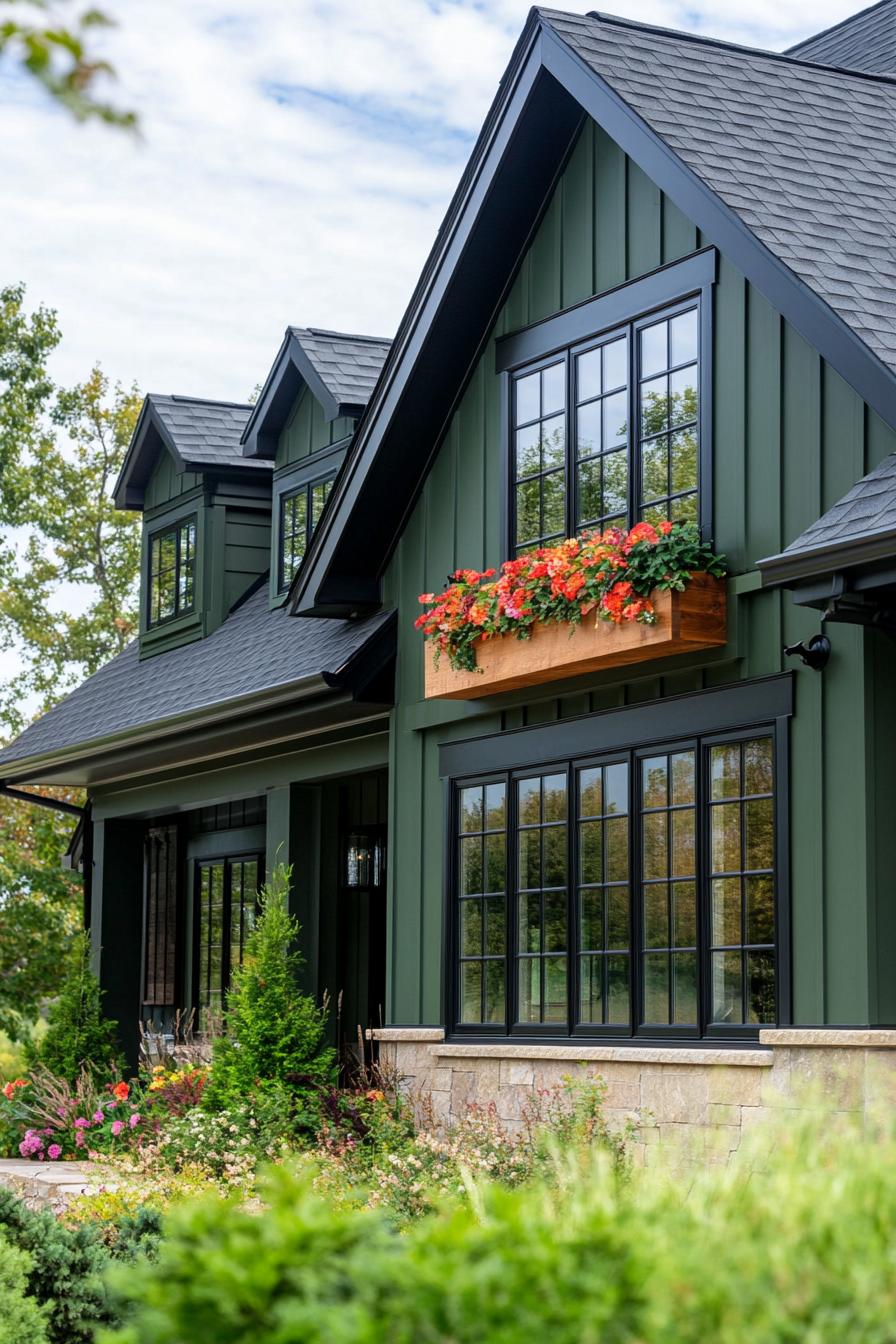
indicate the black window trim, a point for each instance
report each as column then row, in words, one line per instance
column 303, row 487
column 764, row 705
column 227, row 860
column 176, row 526
column 625, row 308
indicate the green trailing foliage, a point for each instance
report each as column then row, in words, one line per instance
column 78, row 1037
column 792, row 1247
column 274, row 1034
column 22, row 1320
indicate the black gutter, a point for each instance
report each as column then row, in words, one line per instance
column 22, row 796
column 793, row 567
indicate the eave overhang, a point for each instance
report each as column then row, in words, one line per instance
column 793, row 567
column 545, row 92
column 360, row 690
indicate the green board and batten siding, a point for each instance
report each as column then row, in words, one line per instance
column 789, row 439
column 307, row 431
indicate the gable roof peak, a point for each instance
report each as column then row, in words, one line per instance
column 340, row 370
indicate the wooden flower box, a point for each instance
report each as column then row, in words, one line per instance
column 686, row 622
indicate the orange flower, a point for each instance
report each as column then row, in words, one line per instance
column 9, row 1089
column 375, row 1095
column 121, row 1091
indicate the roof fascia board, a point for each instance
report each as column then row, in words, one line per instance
column 786, row 569
column 224, row 743
column 800, row 305
column 424, row 306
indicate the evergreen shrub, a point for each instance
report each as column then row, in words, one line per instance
column 274, row 1035
column 78, row 1036
column 22, row 1320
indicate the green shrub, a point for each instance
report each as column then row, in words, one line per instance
column 273, row 1033
column 21, row 1319
column 795, row 1250
column 78, row 1036
column 66, row 1271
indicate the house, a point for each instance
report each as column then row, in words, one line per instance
column 678, row 871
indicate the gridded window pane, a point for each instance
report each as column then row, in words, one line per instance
column 668, row 407
column 300, row 513
column 601, row 447
column 742, row 857
column 482, row 902
column 539, row 436
column 226, row 895
column 172, row 564
column 542, row 898
column 668, row 888
column 603, row 894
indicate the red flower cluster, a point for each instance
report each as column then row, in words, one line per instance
column 611, row 573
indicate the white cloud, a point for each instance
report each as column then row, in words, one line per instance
column 297, row 156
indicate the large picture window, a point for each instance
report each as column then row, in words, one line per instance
column 632, row 893
column 300, row 513
column 607, row 432
column 172, row 572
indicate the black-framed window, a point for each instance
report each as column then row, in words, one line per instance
column 171, row 590
column 226, row 906
column 638, row 890
column 607, row 432
column 160, row 917
column 300, row 513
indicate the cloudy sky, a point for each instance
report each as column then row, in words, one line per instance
column 295, row 161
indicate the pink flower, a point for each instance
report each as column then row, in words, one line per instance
column 54, row 1151
column 117, row 1127
column 134, row 1120
column 81, row 1123
column 98, row 1117
column 79, row 1140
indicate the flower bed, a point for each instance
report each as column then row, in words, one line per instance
column 650, row 591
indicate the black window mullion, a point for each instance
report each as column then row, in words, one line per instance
column 634, row 438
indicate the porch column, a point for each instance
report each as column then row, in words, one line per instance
column 297, row 834
column 116, row 925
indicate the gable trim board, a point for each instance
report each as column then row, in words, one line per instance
column 292, row 369
column 329, row 583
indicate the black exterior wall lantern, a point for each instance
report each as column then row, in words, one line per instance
column 814, row 653
column 364, row 864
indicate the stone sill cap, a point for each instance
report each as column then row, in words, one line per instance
column 838, row 1038
column 622, row 1054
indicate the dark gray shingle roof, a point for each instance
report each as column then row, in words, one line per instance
column 865, row 515
column 205, row 433
column 804, row 155
column 864, row 41
column 347, row 365
column 255, row 649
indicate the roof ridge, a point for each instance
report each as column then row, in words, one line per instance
column 681, row 35
column 345, row 335
column 835, row 27
column 203, row 401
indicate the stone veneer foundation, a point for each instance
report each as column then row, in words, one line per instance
column 702, row 1101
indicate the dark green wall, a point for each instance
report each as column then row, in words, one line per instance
column 166, row 483
column 790, row 438
column 307, row 431
column 233, row 547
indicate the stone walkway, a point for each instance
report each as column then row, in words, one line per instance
column 48, row 1185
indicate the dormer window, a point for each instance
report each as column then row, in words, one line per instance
column 300, row 512
column 172, row 572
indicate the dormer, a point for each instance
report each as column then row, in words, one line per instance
column 206, row 516
column 302, row 425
